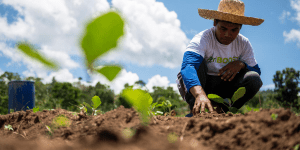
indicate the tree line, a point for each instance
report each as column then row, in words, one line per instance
column 69, row 96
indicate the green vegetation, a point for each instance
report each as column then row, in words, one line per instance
column 296, row 147
column 274, row 116
column 237, row 95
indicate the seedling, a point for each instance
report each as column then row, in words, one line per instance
column 274, row 116
column 140, row 100
column 296, row 147
column 9, row 127
column 237, row 95
column 165, row 105
column 152, row 107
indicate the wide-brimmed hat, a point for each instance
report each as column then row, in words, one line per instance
column 232, row 11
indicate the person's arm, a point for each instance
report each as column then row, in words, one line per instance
column 248, row 59
column 190, row 64
column 197, row 91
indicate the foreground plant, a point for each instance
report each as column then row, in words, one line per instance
column 237, row 95
column 141, row 101
column 274, row 116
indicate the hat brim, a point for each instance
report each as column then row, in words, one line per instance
column 213, row 14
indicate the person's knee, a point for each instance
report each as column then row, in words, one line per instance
column 254, row 79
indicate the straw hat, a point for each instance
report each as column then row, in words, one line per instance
column 232, row 11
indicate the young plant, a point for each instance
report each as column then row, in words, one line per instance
column 9, row 127
column 140, row 100
column 274, row 116
column 165, row 105
column 153, row 113
column 237, row 95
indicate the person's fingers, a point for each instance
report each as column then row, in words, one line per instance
column 226, row 74
column 229, row 75
column 203, row 107
column 232, row 77
column 210, row 107
column 196, row 107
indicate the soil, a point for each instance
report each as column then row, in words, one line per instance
column 206, row 131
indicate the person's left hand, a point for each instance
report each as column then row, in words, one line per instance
column 231, row 69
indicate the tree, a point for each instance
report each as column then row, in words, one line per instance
column 286, row 86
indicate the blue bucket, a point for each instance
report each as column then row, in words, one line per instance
column 20, row 95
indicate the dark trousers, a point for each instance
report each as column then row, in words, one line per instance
column 225, row 89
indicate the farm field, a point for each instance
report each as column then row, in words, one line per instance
column 121, row 129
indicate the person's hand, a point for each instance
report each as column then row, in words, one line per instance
column 201, row 101
column 231, row 69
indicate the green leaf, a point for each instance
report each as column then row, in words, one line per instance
column 96, row 101
column 110, row 72
column 274, row 116
column 30, row 51
column 86, row 104
column 101, row 36
column 238, row 94
column 215, row 98
column 159, row 105
column 140, row 101
column 35, row 109
column 248, row 108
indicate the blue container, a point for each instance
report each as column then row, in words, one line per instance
column 20, row 95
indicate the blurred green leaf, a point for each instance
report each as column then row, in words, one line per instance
column 215, row 98
column 140, row 101
column 238, row 94
column 101, row 36
column 30, row 51
column 86, row 104
column 96, row 102
column 110, row 72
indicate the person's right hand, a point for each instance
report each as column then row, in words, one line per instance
column 202, row 101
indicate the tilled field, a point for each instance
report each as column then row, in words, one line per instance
column 112, row 130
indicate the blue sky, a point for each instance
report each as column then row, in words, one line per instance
column 155, row 40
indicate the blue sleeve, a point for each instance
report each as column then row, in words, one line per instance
column 255, row 68
column 190, row 64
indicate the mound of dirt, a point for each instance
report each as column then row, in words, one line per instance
column 121, row 129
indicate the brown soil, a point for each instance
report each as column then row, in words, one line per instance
column 254, row 130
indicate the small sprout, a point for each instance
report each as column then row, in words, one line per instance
column 61, row 121
column 128, row 133
column 172, row 137
column 296, row 147
column 215, row 107
column 274, row 116
column 9, row 127
column 35, row 109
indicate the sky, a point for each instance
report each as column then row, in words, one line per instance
column 156, row 35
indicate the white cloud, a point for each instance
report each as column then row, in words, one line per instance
column 153, row 34
column 118, row 83
column 269, row 86
column 157, row 80
column 284, row 15
column 293, row 35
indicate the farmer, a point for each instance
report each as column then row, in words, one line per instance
column 219, row 60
